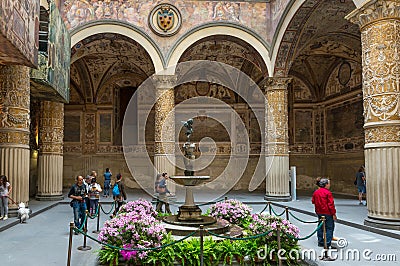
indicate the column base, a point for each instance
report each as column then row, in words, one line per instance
column 392, row 224
column 277, row 198
column 49, row 197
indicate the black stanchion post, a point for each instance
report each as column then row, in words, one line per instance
column 84, row 247
column 71, row 230
column 287, row 213
column 201, row 245
column 98, row 220
column 278, row 236
column 269, row 207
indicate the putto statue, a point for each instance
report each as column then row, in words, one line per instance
column 189, row 128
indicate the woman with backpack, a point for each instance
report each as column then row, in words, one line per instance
column 119, row 194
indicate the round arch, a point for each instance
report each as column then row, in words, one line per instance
column 211, row 29
column 129, row 31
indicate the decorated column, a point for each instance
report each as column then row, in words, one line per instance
column 164, row 150
column 14, row 131
column 379, row 22
column 277, row 139
column 50, row 162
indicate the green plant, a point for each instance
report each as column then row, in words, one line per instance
column 109, row 255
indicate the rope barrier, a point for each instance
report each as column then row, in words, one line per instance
column 298, row 219
column 266, row 206
column 306, row 237
column 240, row 238
column 112, row 207
column 135, row 249
column 272, row 209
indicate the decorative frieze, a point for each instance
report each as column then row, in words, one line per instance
column 388, row 133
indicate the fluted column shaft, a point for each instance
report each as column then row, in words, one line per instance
column 277, row 139
column 379, row 22
column 51, row 134
column 164, row 150
column 14, row 130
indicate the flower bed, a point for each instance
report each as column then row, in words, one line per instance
column 231, row 210
column 136, row 227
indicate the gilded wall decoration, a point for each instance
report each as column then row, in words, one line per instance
column 354, row 80
column 15, row 104
column 19, row 24
column 276, row 116
column 382, row 134
column 379, row 31
column 380, row 71
column 51, row 128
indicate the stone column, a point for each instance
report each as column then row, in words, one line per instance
column 50, row 162
column 277, row 139
column 379, row 22
column 164, row 150
column 14, row 131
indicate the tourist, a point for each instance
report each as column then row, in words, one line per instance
column 324, row 206
column 5, row 191
column 360, row 183
column 107, row 182
column 119, row 194
column 77, row 193
column 94, row 195
column 162, row 190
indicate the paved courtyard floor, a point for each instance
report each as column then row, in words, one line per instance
column 43, row 240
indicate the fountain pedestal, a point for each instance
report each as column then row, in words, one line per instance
column 189, row 213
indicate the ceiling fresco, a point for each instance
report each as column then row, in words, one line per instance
column 316, row 41
column 107, row 58
column 230, row 51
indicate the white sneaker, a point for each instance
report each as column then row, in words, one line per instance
column 1, row 217
column 5, row 217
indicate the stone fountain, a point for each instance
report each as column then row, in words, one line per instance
column 189, row 213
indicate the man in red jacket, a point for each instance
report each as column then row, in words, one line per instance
column 324, row 206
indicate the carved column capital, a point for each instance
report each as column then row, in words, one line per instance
column 276, row 83
column 374, row 11
column 164, row 81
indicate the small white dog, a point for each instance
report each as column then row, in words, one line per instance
column 23, row 213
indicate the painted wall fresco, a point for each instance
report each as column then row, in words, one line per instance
column 19, row 24
column 59, row 53
column 255, row 15
column 53, row 74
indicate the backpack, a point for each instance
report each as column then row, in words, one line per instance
column 115, row 190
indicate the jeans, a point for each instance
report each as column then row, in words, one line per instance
column 107, row 187
column 94, row 203
column 4, row 205
column 161, row 200
column 79, row 209
column 330, row 226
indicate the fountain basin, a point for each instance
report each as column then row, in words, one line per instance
column 190, row 180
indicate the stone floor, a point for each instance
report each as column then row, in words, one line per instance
column 43, row 240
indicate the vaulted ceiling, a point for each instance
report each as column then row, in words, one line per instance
column 104, row 60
